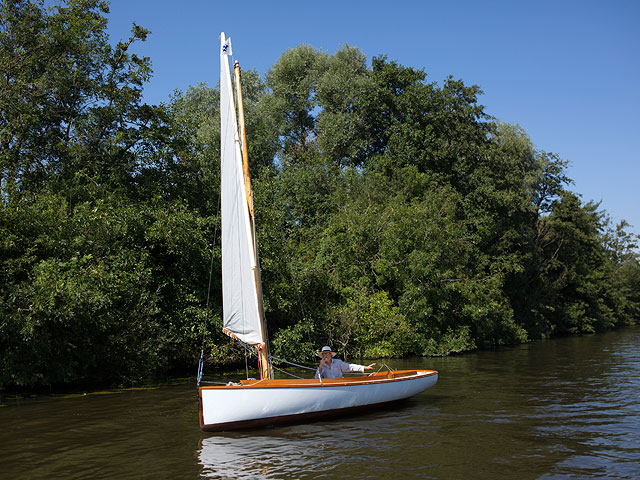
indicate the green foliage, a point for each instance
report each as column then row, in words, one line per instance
column 394, row 216
column 295, row 341
column 453, row 341
column 369, row 325
column 102, row 294
column 577, row 273
column 293, row 80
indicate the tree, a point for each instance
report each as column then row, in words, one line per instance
column 293, row 82
column 574, row 276
column 70, row 101
column 84, row 296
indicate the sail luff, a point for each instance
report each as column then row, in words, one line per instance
column 241, row 309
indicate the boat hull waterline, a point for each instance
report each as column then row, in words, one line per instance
column 259, row 403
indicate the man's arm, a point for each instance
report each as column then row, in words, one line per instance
column 354, row 367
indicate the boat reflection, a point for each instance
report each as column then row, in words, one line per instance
column 250, row 456
column 322, row 447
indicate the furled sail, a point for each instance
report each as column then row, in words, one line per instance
column 241, row 310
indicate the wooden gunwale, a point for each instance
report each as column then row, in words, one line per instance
column 379, row 377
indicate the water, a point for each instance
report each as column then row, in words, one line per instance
column 559, row 409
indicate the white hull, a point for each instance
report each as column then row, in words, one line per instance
column 269, row 402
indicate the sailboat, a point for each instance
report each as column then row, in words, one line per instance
column 267, row 401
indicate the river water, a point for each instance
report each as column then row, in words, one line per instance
column 557, row 409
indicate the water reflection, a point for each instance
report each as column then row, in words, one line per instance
column 259, row 456
column 593, row 408
column 363, row 444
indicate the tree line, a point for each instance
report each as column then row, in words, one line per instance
column 394, row 215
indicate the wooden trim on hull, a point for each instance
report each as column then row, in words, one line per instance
column 296, row 418
column 253, row 420
column 386, row 377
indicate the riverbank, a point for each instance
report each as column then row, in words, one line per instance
column 222, row 375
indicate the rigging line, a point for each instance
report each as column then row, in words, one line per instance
column 246, row 363
column 247, row 352
column 205, row 329
column 213, row 252
column 215, row 232
column 291, row 363
column 285, row 372
column 389, row 369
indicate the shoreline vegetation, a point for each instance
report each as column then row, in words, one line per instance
column 219, row 374
column 394, row 216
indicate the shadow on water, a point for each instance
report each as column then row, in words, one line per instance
column 565, row 408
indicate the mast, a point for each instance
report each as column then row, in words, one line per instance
column 266, row 371
column 243, row 140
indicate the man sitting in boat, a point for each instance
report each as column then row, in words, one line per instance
column 333, row 368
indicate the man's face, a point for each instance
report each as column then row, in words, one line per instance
column 326, row 356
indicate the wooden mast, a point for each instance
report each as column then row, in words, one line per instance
column 243, row 137
column 263, row 351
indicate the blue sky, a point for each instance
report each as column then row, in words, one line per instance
column 567, row 71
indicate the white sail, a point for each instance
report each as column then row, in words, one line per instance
column 241, row 313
